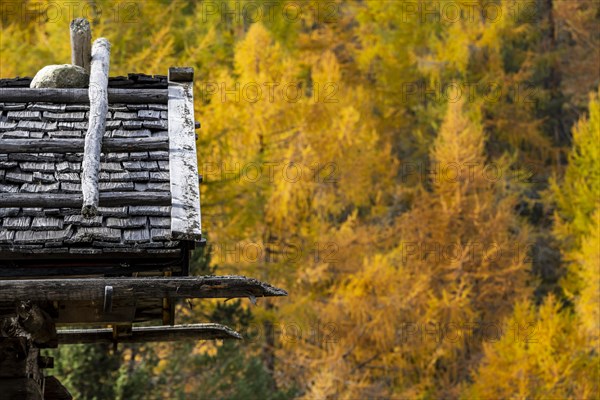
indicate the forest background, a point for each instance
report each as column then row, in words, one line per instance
column 421, row 176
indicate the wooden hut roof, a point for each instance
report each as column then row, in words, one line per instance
column 41, row 152
column 99, row 209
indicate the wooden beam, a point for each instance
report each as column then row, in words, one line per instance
column 91, row 312
column 137, row 288
column 98, row 92
column 14, row 264
column 81, row 39
column 53, row 95
column 181, row 74
column 9, row 146
column 183, row 162
column 108, row 199
column 149, row 334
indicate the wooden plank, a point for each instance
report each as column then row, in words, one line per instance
column 109, row 262
column 98, row 92
column 61, row 146
column 185, row 211
column 109, row 199
column 181, row 74
column 137, row 288
column 149, row 334
column 81, row 39
column 53, row 95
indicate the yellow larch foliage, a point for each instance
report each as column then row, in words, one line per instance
column 588, row 301
column 552, row 351
column 415, row 315
column 542, row 355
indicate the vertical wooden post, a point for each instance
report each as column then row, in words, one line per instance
column 22, row 333
column 98, row 93
column 81, row 42
column 20, row 375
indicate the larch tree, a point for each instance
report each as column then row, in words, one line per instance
column 577, row 221
column 542, row 355
column 338, row 164
column 411, row 321
column 551, row 351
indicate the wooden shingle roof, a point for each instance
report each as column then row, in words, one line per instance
column 41, row 152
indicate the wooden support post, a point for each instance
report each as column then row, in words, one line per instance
column 21, row 365
column 168, row 307
column 98, row 93
column 149, row 334
column 119, row 332
column 20, row 374
column 81, row 39
column 136, row 288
